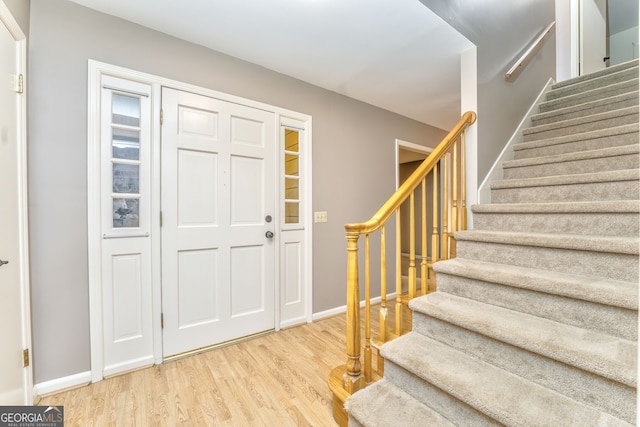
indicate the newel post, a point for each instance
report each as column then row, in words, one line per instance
column 353, row 379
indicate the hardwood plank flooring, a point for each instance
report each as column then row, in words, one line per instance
column 274, row 380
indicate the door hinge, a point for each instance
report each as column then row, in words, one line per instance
column 160, row 218
column 19, row 83
column 161, row 320
column 161, row 116
column 25, row 357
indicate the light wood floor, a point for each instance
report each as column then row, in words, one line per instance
column 275, row 380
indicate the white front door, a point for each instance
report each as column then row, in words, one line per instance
column 593, row 35
column 218, row 218
column 14, row 320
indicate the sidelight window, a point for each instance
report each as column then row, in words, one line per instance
column 292, row 177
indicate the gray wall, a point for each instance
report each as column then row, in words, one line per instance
column 353, row 159
column 502, row 31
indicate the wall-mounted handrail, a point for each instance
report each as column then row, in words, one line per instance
column 528, row 54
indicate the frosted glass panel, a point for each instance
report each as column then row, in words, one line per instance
column 126, row 110
column 126, row 144
column 126, row 213
column 126, row 178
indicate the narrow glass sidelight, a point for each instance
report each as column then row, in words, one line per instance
column 292, row 177
column 125, row 159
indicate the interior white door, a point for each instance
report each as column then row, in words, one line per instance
column 218, row 201
column 13, row 377
column 593, row 35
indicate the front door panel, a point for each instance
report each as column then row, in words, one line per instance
column 218, row 185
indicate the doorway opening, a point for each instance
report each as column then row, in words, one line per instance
column 608, row 33
column 408, row 157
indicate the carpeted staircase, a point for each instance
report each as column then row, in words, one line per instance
column 535, row 323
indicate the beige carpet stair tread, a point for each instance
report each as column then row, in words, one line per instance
column 383, row 404
column 600, row 290
column 568, row 157
column 589, row 95
column 583, row 178
column 597, row 74
column 619, row 245
column 630, row 114
column 503, row 396
column 612, row 102
column 603, row 355
column 579, row 137
column 607, row 206
column 610, row 78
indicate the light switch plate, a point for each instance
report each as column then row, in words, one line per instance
column 320, row 216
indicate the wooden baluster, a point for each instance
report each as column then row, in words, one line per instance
column 367, row 308
column 423, row 264
column 411, row 289
column 384, row 326
column 454, row 201
column 384, row 323
column 435, row 234
column 399, row 325
column 445, row 208
column 352, row 379
column 463, row 183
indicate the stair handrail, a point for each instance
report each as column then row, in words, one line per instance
column 403, row 192
column 347, row 379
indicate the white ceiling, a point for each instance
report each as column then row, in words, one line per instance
column 394, row 54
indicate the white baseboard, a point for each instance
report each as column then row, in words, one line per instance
column 128, row 366
column 60, row 384
column 343, row 309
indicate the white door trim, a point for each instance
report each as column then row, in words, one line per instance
column 95, row 70
column 23, row 221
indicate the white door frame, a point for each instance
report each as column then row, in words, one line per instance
column 95, row 71
column 21, row 54
column 410, row 146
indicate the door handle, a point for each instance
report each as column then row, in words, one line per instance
column 3, row 262
column 269, row 234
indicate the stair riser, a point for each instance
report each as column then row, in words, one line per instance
column 596, row 317
column 599, row 264
column 600, row 164
column 629, row 117
column 587, row 85
column 451, row 408
column 580, row 385
column 574, row 146
column 593, row 224
column 582, row 192
column 608, row 104
column 594, row 95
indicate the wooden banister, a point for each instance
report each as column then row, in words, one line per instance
column 447, row 211
column 414, row 180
